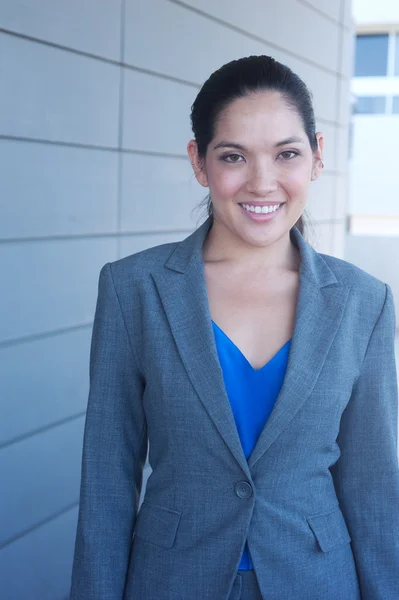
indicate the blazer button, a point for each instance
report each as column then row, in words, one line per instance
column 243, row 489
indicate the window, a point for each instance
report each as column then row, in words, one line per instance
column 395, row 105
column 371, row 55
column 370, row 105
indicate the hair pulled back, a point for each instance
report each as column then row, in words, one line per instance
column 240, row 78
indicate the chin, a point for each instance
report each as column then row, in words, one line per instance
column 261, row 240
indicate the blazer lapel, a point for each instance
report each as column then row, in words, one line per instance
column 320, row 307
column 182, row 290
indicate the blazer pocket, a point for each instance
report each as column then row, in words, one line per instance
column 329, row 529
column 157, row 524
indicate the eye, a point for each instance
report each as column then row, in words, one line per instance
column 232, row 158
column 289, row 154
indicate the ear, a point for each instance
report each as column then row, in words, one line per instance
column 318, row 164
column 197, row 163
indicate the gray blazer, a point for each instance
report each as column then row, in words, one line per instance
column 318, row 499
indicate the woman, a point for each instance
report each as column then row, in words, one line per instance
column 261, row 373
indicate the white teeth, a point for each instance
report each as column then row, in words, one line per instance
column 260, row 209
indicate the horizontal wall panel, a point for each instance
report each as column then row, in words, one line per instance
column 130, row 244
column 158, row 193
column 39, row 565
column 56, row 95
column 88, row 25
column 330, row 8
column 320, row 206
column 42, row 477
column 269, row 21
column 55, row 190
column 50, row 284
column 43, row 381
column 215, row 45
column 156, row 113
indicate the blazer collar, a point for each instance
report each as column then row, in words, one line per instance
column 320, row 307
column 312, row 263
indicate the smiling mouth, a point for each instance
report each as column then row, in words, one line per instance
column 261, row 210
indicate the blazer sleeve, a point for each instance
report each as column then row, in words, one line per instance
column 366, row 476
column 114, row 452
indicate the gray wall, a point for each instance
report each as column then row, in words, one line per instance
column 94, row 121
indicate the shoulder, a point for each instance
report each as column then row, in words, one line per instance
column 349, row 274
column 126, row 287
column 369, row 292
column 131, row 277
column 140, row 265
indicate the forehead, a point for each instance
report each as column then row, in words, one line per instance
column 261, row 114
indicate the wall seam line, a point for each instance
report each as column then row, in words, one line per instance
column 40, row 430
column 38, row 525
column 34, row 337
column 256, row 37
column 162, row 75
column 99, row 58
column 81, row 146
column 90, row 236
column 322, row 14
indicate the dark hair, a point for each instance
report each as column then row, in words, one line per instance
column 239, row 78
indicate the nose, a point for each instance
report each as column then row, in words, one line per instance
column 262, row 180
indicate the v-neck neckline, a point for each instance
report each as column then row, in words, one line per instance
column 237, row 349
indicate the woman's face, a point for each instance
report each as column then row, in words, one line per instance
column 258, row 167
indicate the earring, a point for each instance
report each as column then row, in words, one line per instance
column 322, row 164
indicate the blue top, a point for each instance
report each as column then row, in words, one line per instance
column 252, row 394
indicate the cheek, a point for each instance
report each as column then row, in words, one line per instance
column 225, row 181
column 297, row 182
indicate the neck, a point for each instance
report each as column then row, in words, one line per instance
column 222, row 245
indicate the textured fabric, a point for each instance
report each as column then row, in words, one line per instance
column 252, row 394
column 245, row 587
column 318, row 498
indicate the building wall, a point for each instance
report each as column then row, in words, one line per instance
column 94, row 121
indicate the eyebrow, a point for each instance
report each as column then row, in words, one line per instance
column 291, row 140
column 230, row 145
